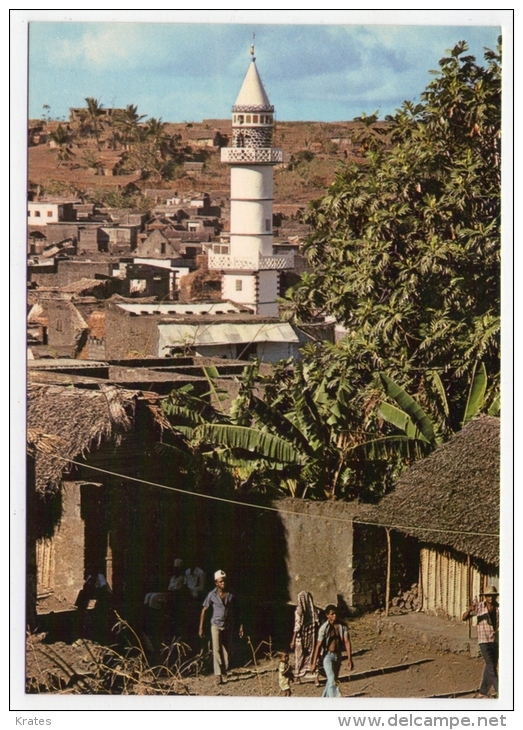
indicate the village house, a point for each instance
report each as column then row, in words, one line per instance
column 95, row 499
column 41, row 213
column 107, row 416
column 444, row 516
column 205, row 137
column 209, row 329
column 62, row 272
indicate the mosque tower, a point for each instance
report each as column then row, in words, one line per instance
column 250, row 270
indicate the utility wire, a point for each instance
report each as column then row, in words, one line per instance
column 275, row 509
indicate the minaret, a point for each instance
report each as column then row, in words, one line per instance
column 250, row 270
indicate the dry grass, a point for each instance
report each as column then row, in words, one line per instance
column 108, row 671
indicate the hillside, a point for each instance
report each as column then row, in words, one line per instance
column 313, row 150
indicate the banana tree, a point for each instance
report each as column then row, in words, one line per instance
column 417, row 426
column 298, row 439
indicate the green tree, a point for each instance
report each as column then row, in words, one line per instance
column 62, row 138
column 92, row 122
column 429, row 429
column 127, row 121
column 297, row 439
column 405, row 248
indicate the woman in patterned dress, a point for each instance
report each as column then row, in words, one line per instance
column 306, row 624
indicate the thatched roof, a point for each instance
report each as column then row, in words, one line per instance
column 455, row 490
column 64, row 422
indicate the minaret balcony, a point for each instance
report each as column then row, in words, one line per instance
column 250, row 263
column 256, row 155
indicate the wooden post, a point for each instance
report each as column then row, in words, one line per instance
column 387, row 585
column 469, row 597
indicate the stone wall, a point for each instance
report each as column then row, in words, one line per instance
column 66, row 326
column 60, row 560
column 128, row 336
column 68, row 272
column 319, row 539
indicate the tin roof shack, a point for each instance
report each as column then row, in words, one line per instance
column 444, row 521
column 204, row 329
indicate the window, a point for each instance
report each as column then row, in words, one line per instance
column 220, row 248
column 239, row 284
column 255, row 118
column 240, row 118
column 28, row 212
column 267, row 224
column 248, row 118
column 49, row 213
column 37, row 214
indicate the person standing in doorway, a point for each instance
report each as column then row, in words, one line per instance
column 224, row 614
column 487, row 616
column 332, row 636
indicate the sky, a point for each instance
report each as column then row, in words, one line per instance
column 192, row 71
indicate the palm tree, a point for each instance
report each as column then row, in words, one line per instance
column 92, row 122
column 62, row 138
column 127, row 121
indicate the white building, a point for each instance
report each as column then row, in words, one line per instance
column 250, row 268
column 42, row 213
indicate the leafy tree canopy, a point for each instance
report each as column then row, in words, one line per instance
column 405, row 249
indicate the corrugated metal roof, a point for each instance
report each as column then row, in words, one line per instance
column 221, row 307
column 172, row 335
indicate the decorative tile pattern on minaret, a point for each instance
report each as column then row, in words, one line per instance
column 250, row 270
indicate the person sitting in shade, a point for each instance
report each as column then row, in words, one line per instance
column 195, row 582
column 177, row 580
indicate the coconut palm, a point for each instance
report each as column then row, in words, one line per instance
column 127, row 121
column 62, row 138
column 92, row 122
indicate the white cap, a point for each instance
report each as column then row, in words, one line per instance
column 219, row 574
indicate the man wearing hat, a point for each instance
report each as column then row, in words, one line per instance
column 487, row 616
column 223, row 606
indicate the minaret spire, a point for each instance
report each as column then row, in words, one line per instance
column 251, row 269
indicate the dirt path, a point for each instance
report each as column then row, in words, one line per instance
column 384, row 667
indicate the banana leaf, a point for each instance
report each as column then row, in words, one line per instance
column 411, row 408
column 401, row 420
column 476, row 396
column 263, row 445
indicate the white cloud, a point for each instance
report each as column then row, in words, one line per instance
column 100, row 45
